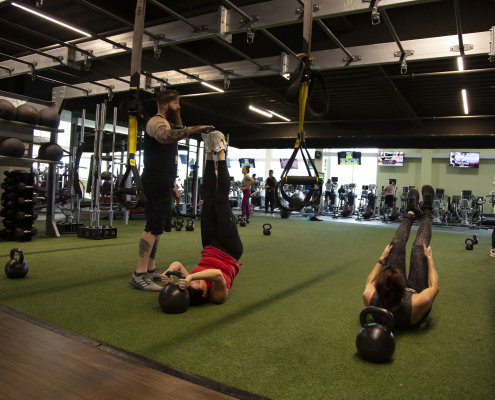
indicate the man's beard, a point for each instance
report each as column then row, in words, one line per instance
column 173, row 116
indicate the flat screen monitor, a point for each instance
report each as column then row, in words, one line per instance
column 284, row 161
column 183, row 158
column 391, row 158
column 349, row 158
column 321, row 175
column 335, row 179
column 246, row 162
column 464, row 160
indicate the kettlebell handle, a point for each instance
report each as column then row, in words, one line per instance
column 465, row 242
column 180, row 220
column 179, row 274
column 377, row 310
column 270, row 225
column 190, row 220
column 21, row 255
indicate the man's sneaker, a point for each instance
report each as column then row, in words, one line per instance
column 155, row 275
column 428, row 194
column 144, row 282
column 206, row 140
column 492, row 253
column 413, row 201
column 217, row 141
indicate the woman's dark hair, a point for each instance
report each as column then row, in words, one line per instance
column 389, row 181
column 247, row 168
column 390, row 285
column 195, row 296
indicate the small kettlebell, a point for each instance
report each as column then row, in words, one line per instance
column 190, row 225
column 267, row 231
column 173, row 223
column 16, row 269
column 179, row 224
column 172, row 299
column 243, row 222
column 469, row 246
column 475, row 239
column 376, row 342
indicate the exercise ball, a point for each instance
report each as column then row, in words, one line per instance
column 7, row 110
column 376, row 342
column 172, row 299
column 27, row 114
column 11, row 147
column 49, row 118
column 51, row 152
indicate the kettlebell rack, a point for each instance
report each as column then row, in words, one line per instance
column 94, row 230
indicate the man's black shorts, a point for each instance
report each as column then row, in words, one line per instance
column 158, row 210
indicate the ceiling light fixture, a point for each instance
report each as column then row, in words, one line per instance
column 260, row 111
column 280, row 116
column 464, row 98
column 211, row 86
column 460, row 63
column 49, row 18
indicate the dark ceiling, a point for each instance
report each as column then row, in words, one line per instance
column 365, row 110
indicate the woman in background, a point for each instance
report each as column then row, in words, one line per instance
column 247, row 181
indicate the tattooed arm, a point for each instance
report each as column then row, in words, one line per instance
column 164, row 134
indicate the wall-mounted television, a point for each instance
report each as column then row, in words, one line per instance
column 284, row 161
column 349, row 158
column 464, row 159
column 246, row 162
column 390, row 158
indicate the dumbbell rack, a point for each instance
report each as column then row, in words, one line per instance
column 99, row 232
column 12, row 207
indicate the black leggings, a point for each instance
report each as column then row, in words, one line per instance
column 218, row 224
column 269, row 201
column 493, row 239
column 418, row 268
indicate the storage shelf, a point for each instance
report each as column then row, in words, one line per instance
column 24, row 161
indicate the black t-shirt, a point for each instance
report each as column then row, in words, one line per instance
column 270, row 183
column 160, row 160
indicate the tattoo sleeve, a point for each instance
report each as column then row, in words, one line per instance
column 165, row 135
column 144, row 247
column 154, row 249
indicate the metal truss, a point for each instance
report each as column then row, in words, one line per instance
column 377, row 54
column 222, row 24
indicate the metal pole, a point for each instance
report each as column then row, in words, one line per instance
column 186, row 182
column 196, row 192
column 95, row 149
column 98, row 177
column 459, row 27
column 173, row 13
column 392, row 31
column 110, row 217
column 237, row 10
column 334, row 38
column 282, row 45
column 81, row 140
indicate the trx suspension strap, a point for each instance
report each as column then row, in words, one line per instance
column 132, row 106
column 302, row 84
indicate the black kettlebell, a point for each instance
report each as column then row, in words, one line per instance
column 243, row 222
column 470, row 245
column 172, row 299
column 267, row 231
column 16, row 269
column 179, row 224
column 376, row 342
column 173, row 223
column 190, row 225
column 475, row 239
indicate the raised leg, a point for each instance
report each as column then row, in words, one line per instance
column 208, row 216
column 397, row 257
column 418, row 269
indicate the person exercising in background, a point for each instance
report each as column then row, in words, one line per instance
column 408, row 299
column 158, row 178
column 328, row 192
column 270, row 184
column 211, row 281
column 247, row 181
column 389, row 194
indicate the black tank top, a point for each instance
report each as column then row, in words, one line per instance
column 160, row 161
column 270, row 183
column 402, row 315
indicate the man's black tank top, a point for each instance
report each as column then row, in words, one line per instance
column 270, row 183
column 402, row 315
column 160, row 161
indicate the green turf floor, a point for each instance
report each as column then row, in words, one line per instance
column 288, row 328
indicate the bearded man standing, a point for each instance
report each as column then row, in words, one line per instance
column 163, row 131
